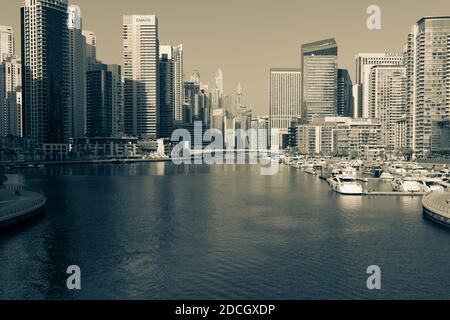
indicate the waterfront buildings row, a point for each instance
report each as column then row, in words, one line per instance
column 407, row 94
column 59, row 91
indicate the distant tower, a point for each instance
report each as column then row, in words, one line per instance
column 6, row 43
column 195, row 78
column 178, row 78
column 219, row 81
column 239, row 95
column 90, row 48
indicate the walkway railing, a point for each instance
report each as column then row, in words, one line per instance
column 21, row 206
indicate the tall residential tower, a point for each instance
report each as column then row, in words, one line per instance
column 140, row 74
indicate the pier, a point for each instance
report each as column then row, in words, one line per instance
column 393, row 193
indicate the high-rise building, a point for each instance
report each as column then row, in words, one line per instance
column 90, row 48
column 195, row 77
column 344, row 103
column 104, row 101
column 387, row 101
column 191, row 90
column 77, row 74
column 320, row 74
column 364, row 63
column 238, row 98
column 178, row 77
column 285, row 99
column 219, row 81
column 11, row 97
column 166, row 91
column 140, row 74
column 427, row 63
column 45, row 65
column 6, row 43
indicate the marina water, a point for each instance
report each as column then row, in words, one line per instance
column 160, row 231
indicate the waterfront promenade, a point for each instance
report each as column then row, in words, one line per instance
column 18, row 204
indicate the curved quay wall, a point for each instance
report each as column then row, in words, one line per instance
column 436, row 206
column 23, row 209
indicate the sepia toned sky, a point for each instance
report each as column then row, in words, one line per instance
column 248, row 37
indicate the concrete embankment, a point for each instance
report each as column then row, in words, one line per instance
column 18, row 204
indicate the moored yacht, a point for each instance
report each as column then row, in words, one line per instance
column 406, row 185
column 346, row 184
column 430, row 184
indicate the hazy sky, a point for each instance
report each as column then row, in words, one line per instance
column 248, row 37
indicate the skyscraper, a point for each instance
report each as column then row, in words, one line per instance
column 104, row 101
column 285, row 98
column 11, row 97
column 178, row 77
column 427, row 63
column 166, row 91
column 140, row 73
column 195, row 77
column 344, row 103
column 90, row 48
column 77, row 74
column 238, row 98
column 387, row 101
column 320, row 72
column 364, row 63
column 6, row 43
column 219, row 81
column 45, row 64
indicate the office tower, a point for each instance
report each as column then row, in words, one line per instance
column 6, row 43
column 166, row 91
column 219, row 82
column 201, row 111
column 90, row 48
column 104, row 101
column 140, row 74
column 11, row 97
column 191, row 90
column 178, row 76
column 77, row 74
column 285, row 99
column 428, row 76
column 45, row 65
column 320, row 72
column 364, row 63
column 118, row 117
column 387, row 101
column 344, row 103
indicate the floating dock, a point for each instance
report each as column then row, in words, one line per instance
column 394, row 193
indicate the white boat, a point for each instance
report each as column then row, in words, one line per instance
column 430, row 184
column 445, row 183
column 397, row 169
column 386, row 176
column 346, row 185
column 406, row 185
